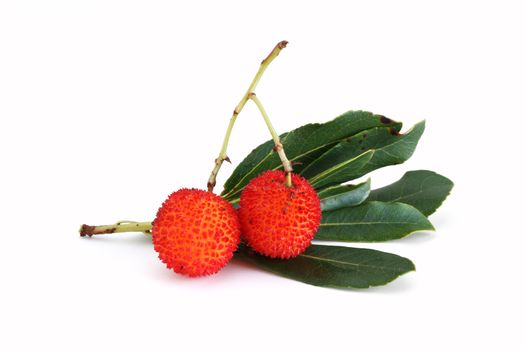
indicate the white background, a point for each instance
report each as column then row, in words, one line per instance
column 108, row 106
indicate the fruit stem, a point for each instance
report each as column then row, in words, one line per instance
column 287, row 165
column 222, row 155
column 121, row 226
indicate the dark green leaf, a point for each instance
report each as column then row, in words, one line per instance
column 337, row 267
column 302, row 145
column 343, row 162
column 423, row 189
column 344, row 196
column 371, row 222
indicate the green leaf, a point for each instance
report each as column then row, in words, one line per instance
column 337, row 267
column 384, row 146
column 344, row 196
column 371, row 222
column 423, row 189
column 302, row 145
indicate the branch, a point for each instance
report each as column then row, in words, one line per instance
column 222, row 155
column 287, row 165
column 121, row 226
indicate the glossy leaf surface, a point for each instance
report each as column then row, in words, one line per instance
column 341, row 196
column 337, row 267
column 423, row 189
column 372, row 222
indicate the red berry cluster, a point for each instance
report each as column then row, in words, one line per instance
column 196, row 232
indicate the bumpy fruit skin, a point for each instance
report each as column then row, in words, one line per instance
column 196, row 232
column 276, row 220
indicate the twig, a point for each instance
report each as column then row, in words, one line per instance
column 121, row 226
column 222, row 155
column 287, row 165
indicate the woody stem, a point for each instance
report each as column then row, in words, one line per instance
column 121, row 226
column 287, row 165
column 223, row 153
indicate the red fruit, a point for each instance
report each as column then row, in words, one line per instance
column 276, row 220
column 195, row 232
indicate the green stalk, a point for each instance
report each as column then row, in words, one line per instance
column 223, row 153
column 287, row 165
